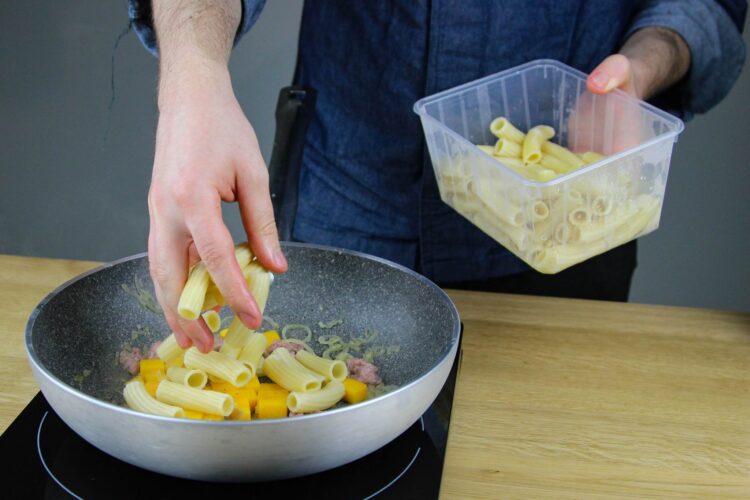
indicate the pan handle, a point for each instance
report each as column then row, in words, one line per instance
column 294, row 111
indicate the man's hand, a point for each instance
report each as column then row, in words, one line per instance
column 206, row 153
column 651, row 60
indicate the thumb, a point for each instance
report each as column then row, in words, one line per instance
column 614, row 72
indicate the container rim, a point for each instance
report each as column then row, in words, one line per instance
column 421, row 104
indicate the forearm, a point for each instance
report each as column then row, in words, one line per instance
column 660, row 59
column 194, row 38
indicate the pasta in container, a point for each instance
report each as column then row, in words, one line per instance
column 552, row 172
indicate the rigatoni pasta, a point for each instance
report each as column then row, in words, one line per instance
column 532, row 144
column 169, row 349
column 252, row 352
column 212, row 319
column 186, row 383
column 185, row 376
column 218, row 365
column 215, row 403
column 307, row 402
column 139, row 399
column 331, row 369
column 552, row 225
column 194, row 292
column 285, row 370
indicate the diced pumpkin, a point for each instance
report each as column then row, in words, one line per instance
column 151, row 386
column 151, row 365
column 271, row 336
column 354, row 391
column 241, row 408
column 271, row 402
column 254, row 384
column 271, row 407
column 195, row 415
column 208, row 416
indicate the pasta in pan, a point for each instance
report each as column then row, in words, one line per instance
column 255, row 374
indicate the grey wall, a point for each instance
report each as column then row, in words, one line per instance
column 74, row 175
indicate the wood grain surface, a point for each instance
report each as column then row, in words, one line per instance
column 570, row 399
column 555, row 398
column 24, row 281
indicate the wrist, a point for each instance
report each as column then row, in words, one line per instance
column 190, row 78
column 659, row 58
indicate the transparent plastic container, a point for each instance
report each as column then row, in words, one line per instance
column 555, row 224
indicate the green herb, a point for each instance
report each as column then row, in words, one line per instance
column 330, row 324
column 142, row 295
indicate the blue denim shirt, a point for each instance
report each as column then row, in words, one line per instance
column 366, row 181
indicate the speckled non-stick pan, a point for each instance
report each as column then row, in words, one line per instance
column 74, row 336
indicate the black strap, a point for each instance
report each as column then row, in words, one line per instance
column 294, row 110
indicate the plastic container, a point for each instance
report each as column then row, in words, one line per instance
column 555, row 224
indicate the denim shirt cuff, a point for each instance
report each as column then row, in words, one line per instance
column 141, row 20
column 717, row 51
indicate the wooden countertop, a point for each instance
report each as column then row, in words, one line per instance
column 555, row 398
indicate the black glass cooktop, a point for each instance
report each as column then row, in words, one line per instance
column 44, row 458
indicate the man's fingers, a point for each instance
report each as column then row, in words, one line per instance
column 168, row 265
column 199, row 333
column 256, row 210
column 614, row 72
column 216, row 248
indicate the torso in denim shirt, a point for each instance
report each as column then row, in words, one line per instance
column 367, row 183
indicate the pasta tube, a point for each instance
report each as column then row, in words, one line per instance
column 330, row 369
column 259, row 282
column 213, row 298
column 532, row 143
column 139, row 399
column 218, row 365
column 592, row 157
column 282, row 368
column 505, row 234
column 169, row 349
column 243, row 254
column 212, row 319
column 237, row 335
column 500, row 206
column 506, row 148
column 579, row 216
column 544, row 174
column 513, row 163
column 562, row 154
column 555, row 164
column 212, row 402
column 601, row 205
column 539, row 210
column 252, row 352
column 557, row 258
column 306, row 402
column 194, row 292
column 188, row 377
column 566, row 233
column 503, row 129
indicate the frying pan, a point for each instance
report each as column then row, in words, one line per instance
column 74, row 336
